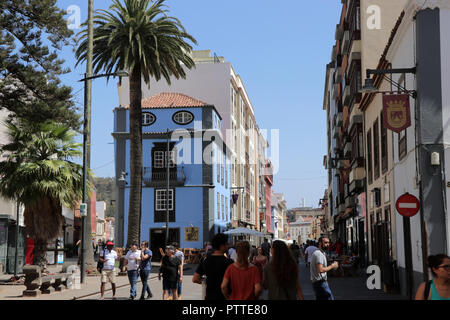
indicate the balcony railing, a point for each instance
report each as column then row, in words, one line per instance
column 153, row 178
column 356, row 186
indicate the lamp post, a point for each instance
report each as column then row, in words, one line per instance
column 168, row 186
column 86, row 135
column 17, row 240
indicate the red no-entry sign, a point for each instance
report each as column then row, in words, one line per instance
column 407, row 205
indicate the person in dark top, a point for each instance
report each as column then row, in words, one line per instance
column 265, row 246
column 214, row 267
column 171, row 273
column 295, row 249
column 144, row 269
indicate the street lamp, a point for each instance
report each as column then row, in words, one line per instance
column 85, row 139
column 370, row 88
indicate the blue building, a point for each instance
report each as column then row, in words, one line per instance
column 199, row 171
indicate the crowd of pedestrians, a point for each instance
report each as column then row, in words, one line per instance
column 229, row 273
column 242, row 272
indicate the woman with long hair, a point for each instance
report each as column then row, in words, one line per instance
column 260, row 260
column 439, row 287
column 281, row 274
column 243, row 277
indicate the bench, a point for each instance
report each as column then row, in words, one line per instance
column 35, row 281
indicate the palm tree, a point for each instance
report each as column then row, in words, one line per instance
column 140, row 37
column 37, row 171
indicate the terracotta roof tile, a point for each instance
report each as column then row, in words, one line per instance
column 170, row 100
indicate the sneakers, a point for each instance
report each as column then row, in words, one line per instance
column 149, row 296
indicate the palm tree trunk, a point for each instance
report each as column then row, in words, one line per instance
column 89, row 252
column 134, row 211
column 40, row 253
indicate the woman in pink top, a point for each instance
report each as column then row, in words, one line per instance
column 243, row 277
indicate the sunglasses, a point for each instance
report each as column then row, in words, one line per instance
column 446, row 267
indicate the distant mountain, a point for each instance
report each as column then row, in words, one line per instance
column 106, row 191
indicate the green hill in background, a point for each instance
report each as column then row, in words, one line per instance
column 106, row 191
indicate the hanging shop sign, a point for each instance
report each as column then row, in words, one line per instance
column 396, row 112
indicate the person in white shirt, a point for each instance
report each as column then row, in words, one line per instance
column 108, row 273
column 132, row 259
column 232, row 254
column 308, row 254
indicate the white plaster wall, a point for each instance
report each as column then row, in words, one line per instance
column 402, row 56
column 445, row 63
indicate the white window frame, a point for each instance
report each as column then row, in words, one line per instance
column 226, row 207
column 158, row 159
column 145, row 118
column 160, row 200
column 181, row 117
column 218, row 206
column 223, row 209
column 172, row 159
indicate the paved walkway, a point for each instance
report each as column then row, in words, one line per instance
column 90, row 290
column 344, row 288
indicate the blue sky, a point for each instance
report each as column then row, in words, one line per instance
column 280, row 49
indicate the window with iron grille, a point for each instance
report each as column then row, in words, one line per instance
column 226, row 208
column 354, row 80
column 223, row 207
column 222, row 171
column 354, row 21
column 218, row 165
column 218, row 206
column 226, row 174
column 369, row 156
column 384, row 146
column 376, row 150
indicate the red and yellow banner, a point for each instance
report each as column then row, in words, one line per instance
column 396, row 112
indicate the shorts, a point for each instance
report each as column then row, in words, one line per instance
column 169, row 285
column 108, row 275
